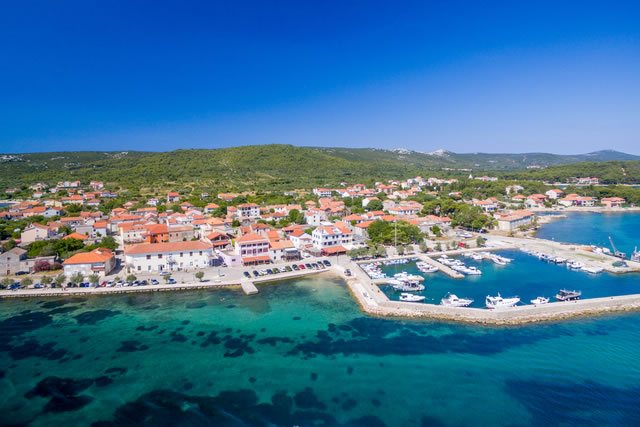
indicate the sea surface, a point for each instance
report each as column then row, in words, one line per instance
column 301, row 353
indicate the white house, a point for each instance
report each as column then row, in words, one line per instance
column 248, row 211
column 323, row 192
column 554, row 194
column 34, row 232
column 169, row 256
column 327, row 236
column 512, row 220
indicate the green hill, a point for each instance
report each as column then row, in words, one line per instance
column 279, row 166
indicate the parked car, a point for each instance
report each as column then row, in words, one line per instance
column 172, row 281
column 287, row 268
column 327, row 263
column 347, row 272
column 295, row 267
column 302, row 267
column 247, row 275
column 21, row 273
column 37, row 286
column 154, row 282
column 255, row 273
column 308, row 265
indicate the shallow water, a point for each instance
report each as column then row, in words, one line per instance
column 300, row 353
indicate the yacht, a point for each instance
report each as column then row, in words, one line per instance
column 499, row 302
column 452, row 300
column 539, row 301
column 559, row 260
column 410, row 297
column 565, row 295
column 426, row 267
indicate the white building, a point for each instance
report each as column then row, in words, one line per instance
column 323, row 192
column 326, row 236
column 513, row 220
column 248, row 211
column 170, row 256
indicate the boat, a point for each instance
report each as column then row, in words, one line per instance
column 410, row 297
column 452, row 300
column 426, row 267
column 575, row 265
column 559, row 260
column 407, row 286
column 539, row 301
column 498, row 302
column 565, row 295
column 593, row 270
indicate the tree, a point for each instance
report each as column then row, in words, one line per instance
column 9, row 244
column 375, row 205
column 235, row 223
column 76, row 278
column 423, row 246
column 131, row 278
column 109, row 243
column 436, row 231
column 199, row 275
column 46, row 280
column 438, row 247
column 26, row 282
column 60, row 279
column 94, row 279
column 167, row 277
column 480, row 241
column 400, row 249
column 41, row 265
column 6, row 282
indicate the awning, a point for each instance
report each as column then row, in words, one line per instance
column 334, row 250
column 253, row 259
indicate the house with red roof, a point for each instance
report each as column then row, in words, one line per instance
column 168, row 256
column 99, row 261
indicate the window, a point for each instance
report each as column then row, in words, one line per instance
column 159, row 256
column 200, row 253
column 148, row 256
column 181, row 254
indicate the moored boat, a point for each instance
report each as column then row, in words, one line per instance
column 452, row 300
column 498, row 302
column 539, row 301
column 593, row 270
column 565, row 295
column 410, row 297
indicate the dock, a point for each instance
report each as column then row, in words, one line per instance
column 444, row 268
column 248, row 287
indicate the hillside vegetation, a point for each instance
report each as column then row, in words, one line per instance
column 287, row 167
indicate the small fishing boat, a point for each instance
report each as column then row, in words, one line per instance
column 539, row 301
column 410, row 297
column 498, row 302
column 452, row 300
column 593, row 270
column 575, row 265
column 565, row 295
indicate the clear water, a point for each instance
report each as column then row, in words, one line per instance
column 300, row 353
column 595, row 229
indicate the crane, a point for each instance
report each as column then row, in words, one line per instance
column 616, row 252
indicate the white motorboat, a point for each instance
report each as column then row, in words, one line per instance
column 408, row 287
column 475, row 257
column 539, row 301
column 498, row 302
column 565, row 295
column 559, row 260
column 410, row 297
column 453, row 301
column 426, row 268
column 575, row 265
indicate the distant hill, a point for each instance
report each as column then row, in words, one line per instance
column 267, row 166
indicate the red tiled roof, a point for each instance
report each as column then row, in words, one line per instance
column 95, row 256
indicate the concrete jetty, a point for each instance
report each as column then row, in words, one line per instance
column 444, row 268
column 248, row 287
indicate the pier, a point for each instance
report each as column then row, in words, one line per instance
column 444, row 268
column 248, row 287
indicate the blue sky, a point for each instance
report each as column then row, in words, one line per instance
column 488, row 76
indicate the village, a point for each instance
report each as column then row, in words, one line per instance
column 66, row 240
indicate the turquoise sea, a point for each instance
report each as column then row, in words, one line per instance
column 301, row 353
